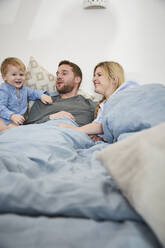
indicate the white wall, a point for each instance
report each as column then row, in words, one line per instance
column 131, row 32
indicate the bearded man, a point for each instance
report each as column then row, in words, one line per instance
column 67, row 102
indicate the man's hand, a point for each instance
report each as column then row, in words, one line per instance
column 46, row 99
column 61, row 114
column 17, row 119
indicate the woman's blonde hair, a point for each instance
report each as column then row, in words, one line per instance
column 12, row 61
column 113, row 70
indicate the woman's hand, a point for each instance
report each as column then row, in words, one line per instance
column 95, row 137
column 66, row 125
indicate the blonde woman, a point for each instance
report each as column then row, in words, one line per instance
column 108, row 78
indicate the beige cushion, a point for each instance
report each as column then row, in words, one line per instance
column 39, row 78
column 138, row 166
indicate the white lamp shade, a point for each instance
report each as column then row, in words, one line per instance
column 94, row 4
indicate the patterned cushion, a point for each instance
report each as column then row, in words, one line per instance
column 39, row 78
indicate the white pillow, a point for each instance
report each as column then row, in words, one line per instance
column 37, row 77
column 138, row 165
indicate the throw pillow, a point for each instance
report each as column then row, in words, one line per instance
column 137, row 163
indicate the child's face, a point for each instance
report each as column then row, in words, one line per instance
column 14, row 77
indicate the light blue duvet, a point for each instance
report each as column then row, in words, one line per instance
column 54, row 193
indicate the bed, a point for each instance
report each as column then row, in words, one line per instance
column 60, row 189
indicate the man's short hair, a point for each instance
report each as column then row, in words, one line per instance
column 75, row 68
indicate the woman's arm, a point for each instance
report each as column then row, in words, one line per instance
column 91, row 128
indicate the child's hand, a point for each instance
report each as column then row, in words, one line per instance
column 46, row 99
column 17, row 119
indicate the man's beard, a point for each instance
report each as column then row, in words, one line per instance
column 65, row 89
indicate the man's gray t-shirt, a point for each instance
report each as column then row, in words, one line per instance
column 81, row 108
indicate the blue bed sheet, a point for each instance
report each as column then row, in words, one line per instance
column 54, row 193
column 133, row 110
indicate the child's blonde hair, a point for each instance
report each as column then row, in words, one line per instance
column 113, row 70
column 12, row 61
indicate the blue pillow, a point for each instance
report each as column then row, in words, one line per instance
column 133, row 109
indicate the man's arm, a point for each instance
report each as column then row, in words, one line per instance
column 40, row 113
column 61, row 114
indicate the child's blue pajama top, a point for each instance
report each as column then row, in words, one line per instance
column 13, row 103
